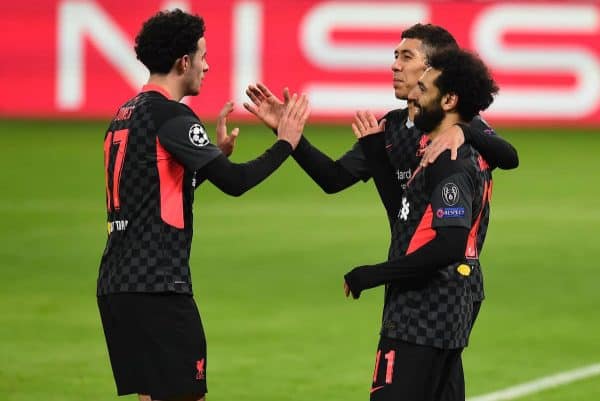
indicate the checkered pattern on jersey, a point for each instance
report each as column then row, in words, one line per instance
column 149, row 255
column 476, row 281
column 438, row 312
column 402, row 144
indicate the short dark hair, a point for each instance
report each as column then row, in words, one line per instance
column 433, row 38
column 464, row 74
column 167, row 36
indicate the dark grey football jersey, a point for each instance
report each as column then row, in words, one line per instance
column 152, row 149
column 438, row 311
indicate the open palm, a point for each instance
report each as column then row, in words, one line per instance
column 265, row 105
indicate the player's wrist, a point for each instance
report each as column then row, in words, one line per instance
column 286, row 144
column 352, row 279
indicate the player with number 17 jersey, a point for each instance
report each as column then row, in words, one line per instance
column 149, row 194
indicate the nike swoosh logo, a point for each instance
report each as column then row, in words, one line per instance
column 373, row 389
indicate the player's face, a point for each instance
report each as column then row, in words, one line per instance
column 197, row 70
column 409, row 65
column 427, row 100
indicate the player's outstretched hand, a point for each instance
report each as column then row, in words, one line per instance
column 226, row 142
column 451, row 138
column 265, row 105
column 291, row 123
column 366, row 124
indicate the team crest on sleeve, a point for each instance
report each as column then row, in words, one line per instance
column 450, row 194
column 198, row 135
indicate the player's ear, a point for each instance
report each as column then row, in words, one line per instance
column 449, row 101
column 182, row 64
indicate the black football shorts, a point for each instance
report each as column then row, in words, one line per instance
column 156, row 344
column 411, row 372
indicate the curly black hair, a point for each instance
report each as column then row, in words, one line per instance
column 433, row 38
column 167, row 36
column 464, row 74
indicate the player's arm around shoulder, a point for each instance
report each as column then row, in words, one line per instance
column 497, row 151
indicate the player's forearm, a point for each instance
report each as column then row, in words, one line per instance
column 235, row 179
column 328, row 174
column 373, row 147
column 493, row 148
column 446, row 248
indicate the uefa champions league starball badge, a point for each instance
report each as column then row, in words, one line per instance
column 198, row 135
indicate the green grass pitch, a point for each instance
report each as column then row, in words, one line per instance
column 268, row 268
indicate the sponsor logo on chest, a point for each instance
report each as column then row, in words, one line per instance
column 403, row 175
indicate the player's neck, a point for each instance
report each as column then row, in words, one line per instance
column 411, row 110
column 168, row 84
column 449, row 120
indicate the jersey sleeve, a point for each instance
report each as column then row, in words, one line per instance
column 447, row 247
column 495, row 150
column 235, row 179
column 332, row 176
column 355, row 162
column 186, row 139
column 451, row 192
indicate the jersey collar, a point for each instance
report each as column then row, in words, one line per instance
column 156, row 88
